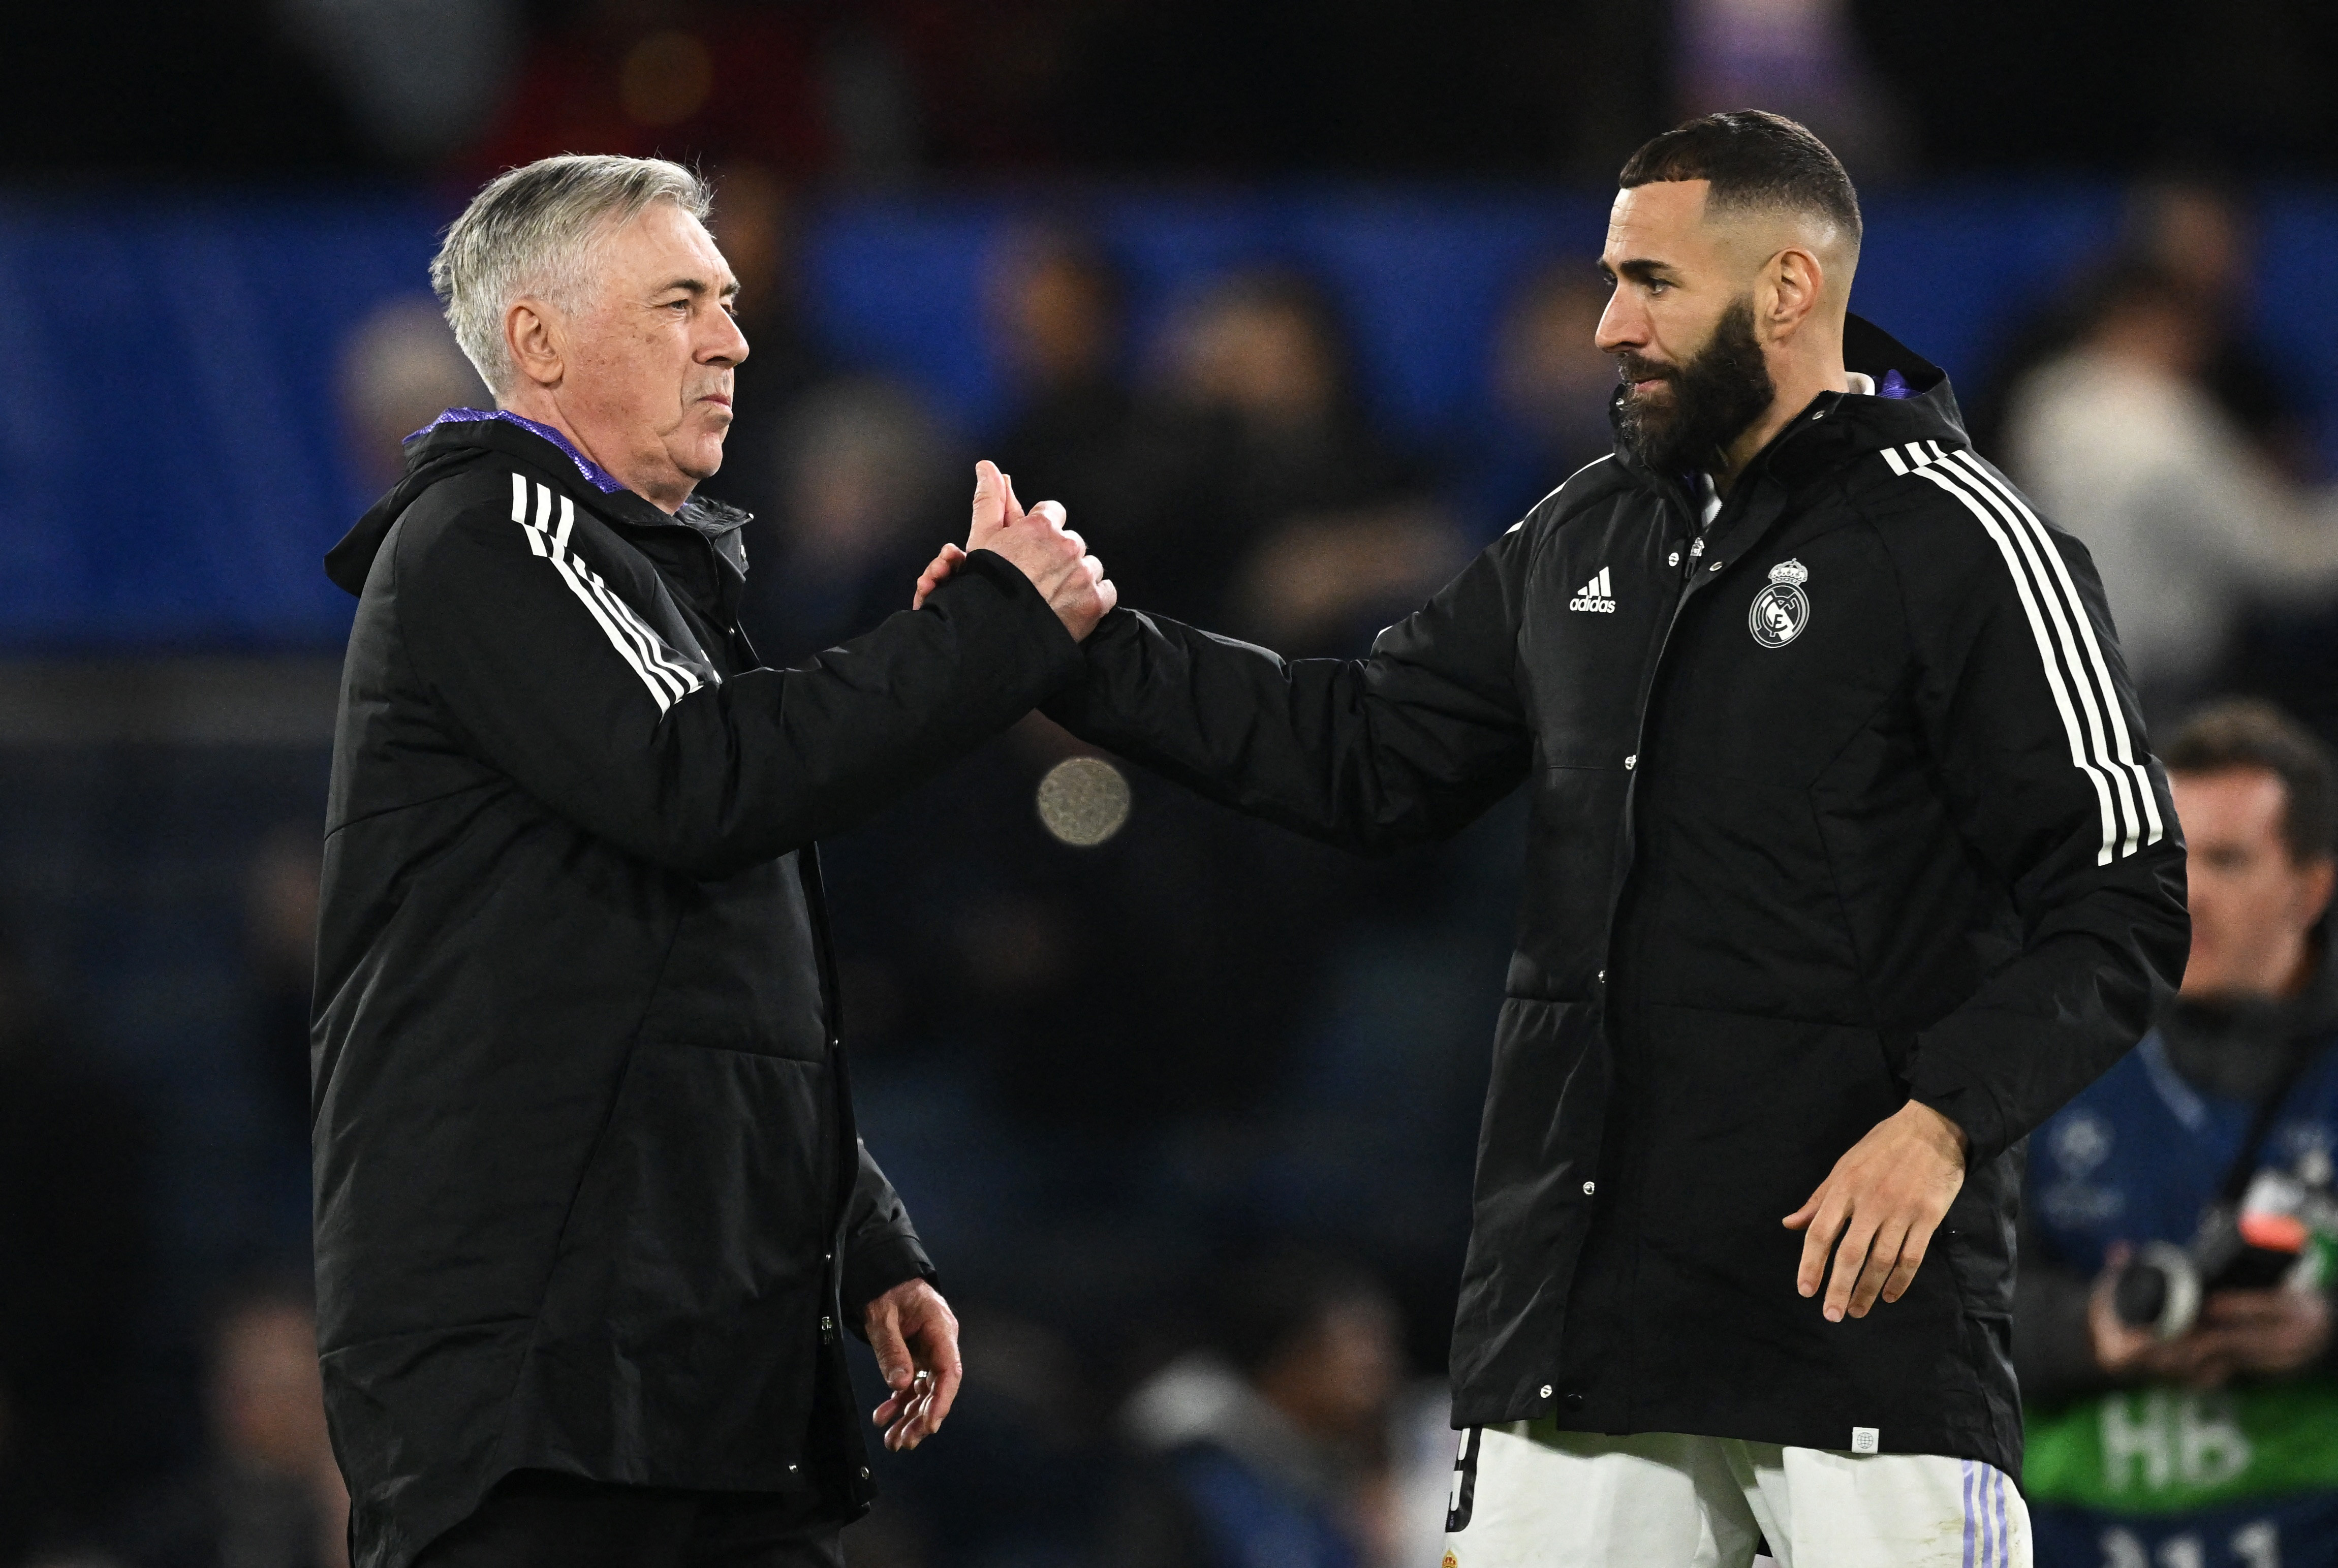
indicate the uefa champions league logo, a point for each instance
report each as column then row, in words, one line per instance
column 1782, row 608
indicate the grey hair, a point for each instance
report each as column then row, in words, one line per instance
column 532, row 231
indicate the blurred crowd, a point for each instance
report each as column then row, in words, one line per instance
column 891, row 90
column 1185, row 1106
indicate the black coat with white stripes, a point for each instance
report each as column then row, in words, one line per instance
column 588, row 1192
column 1843, row 802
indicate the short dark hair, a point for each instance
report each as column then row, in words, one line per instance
column 1267, row 1307
column 2244, row 732
column 1754, row 159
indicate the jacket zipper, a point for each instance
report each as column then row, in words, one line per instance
column 1690, row 580
column 1672, row 495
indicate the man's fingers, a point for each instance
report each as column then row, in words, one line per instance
column 1850, row 1261
column 1903, row 1273
column 990, row 496
column 919, row 1410
column 909, row 1404
column 947, row 1369
column 1822, row 1222
column 936, row 573
column 2242, row 1308
column 892, row 1361
column 945, row 1394
column 1052, row 511
column 1882, row 1261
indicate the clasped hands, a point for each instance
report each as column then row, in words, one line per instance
column 1052, row 556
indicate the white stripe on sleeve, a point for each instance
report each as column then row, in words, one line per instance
column 2122, row 737
column 2060, row 613
column 537, row 530
column 519, row 514
column 2047, row 654
column 655, row 656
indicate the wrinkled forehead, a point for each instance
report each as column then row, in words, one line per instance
column 1663, row 221
column 659, row 246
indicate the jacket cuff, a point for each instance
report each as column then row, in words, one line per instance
column 1046, row 628
column 1974, row 1112
column 874, row 1266
column 1116, row 637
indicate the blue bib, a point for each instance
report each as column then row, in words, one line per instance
column 2243, row 1477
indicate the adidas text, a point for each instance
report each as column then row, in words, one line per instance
column 1595, row 596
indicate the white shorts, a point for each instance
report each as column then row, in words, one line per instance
column 1528, row 1496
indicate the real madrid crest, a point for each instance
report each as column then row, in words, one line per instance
column 1782, row 608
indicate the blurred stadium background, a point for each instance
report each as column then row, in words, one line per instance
column 1290, row 302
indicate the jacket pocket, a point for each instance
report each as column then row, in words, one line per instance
column 1574, row 836
column 1540, row 1140
column 743, row 972
column 1747, row 1115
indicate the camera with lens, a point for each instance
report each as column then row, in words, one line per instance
column 2283, row 1231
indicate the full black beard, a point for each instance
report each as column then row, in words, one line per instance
column 1714, row 398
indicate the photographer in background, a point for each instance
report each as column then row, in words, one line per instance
column 265, row 1494
column 2218, row 1443
column 1270, row 1447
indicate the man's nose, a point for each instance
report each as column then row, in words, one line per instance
column 728, row 344
column 1623, row 325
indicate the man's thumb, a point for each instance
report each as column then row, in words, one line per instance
column 989, row 496
column 892, row 1352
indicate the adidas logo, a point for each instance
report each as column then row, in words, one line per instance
column 1595, row 596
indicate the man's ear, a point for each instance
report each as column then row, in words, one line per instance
column 531, row 336
column 1796, row 281
column 2319, row 879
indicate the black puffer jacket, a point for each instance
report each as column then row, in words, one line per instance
column 1838, row 799
column 588, row 1192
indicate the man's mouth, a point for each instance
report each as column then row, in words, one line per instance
column 1640, row 378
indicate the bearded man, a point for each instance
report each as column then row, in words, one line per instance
column 1847, row 866
column 592, row 1218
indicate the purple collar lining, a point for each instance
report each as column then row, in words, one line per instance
column 594, row 475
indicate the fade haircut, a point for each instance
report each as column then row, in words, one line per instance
column 1755, row 162
column 2246, row 733
column 532, row 230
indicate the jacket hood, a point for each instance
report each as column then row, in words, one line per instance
column 1912, row 401
column 462, row 436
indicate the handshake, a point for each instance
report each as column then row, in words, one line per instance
column 1055, row 559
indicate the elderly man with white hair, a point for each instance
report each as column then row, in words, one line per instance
column 591, row 1211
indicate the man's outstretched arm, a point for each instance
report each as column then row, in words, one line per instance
column 543, row 673
column 1405, row 746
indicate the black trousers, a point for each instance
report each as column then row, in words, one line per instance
column 535, row 1519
